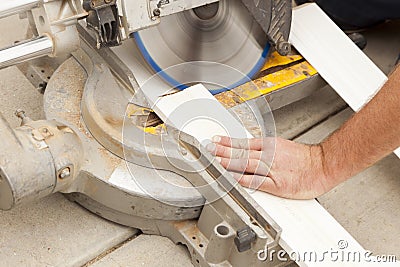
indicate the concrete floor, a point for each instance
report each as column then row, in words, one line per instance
column 56, row 232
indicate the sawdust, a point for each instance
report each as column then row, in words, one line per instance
column 65, row 94
column 111, row 160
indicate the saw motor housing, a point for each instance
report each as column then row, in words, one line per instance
column 274, row 17
column 53, row 23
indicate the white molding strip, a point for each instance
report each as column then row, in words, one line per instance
column 337, row 59
column 397, row 152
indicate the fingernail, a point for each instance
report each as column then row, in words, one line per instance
column 211, row 147
column 216, row 139
column 218, row 159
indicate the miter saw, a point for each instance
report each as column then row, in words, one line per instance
column 102, row 145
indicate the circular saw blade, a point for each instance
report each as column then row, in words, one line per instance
column 211, row 37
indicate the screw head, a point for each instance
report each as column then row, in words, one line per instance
column 157, row 12
column 283, row 48
column 65, row 173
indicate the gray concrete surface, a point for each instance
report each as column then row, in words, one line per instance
column 56, row 232
column 147, row 251
column 293, row 120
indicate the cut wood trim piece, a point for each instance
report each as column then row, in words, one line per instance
column 306, row 226
column 337, row 59
column 194, row 111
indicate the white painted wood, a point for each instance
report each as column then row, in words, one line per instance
column 338, row 60
column 397, row 152
column 307, row 226
column 194, row 111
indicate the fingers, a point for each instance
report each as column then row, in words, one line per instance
column 245, row 166
column 257, row 182
column 233, row 153
column 249, row 144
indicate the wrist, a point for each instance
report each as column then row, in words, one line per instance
column 335, row 172
column 323, row 171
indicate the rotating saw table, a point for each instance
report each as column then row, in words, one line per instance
column 93, row 102
column 108, row 189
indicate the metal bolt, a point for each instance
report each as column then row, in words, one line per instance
column 20, row 114
column 157, row 12
column 65, row 173
column 283, row 48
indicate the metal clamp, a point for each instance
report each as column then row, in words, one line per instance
column 104, row 21
column 275, row 18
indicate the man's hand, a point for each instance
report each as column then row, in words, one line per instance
column 297, row 170
column 302, row 171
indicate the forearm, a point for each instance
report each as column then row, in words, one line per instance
column 368, row 136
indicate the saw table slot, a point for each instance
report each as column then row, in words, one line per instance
column 277, row 68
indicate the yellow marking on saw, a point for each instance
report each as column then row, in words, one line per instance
column 291, row 73
column 266, row 84
column 277, row 60
column 157, row 130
